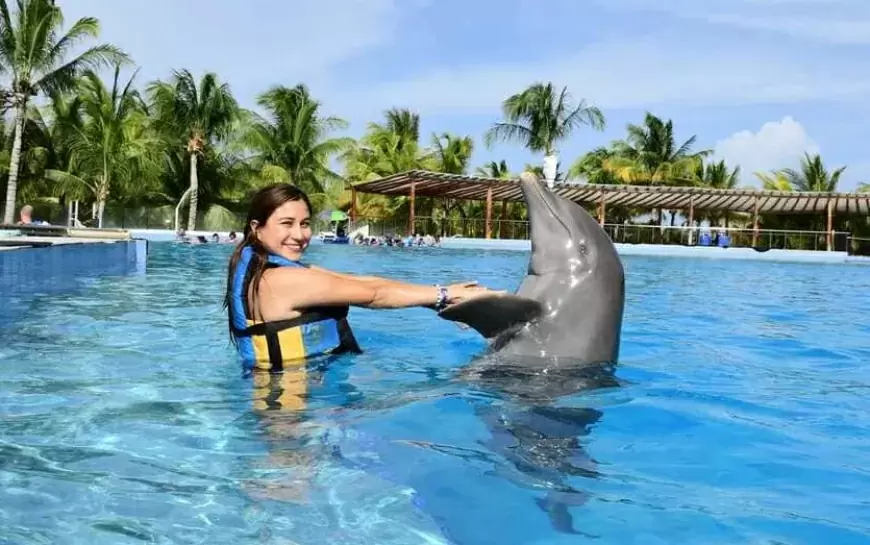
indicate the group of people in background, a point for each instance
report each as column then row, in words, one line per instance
column 215, row 238
column 432, row 241
column 395, row 240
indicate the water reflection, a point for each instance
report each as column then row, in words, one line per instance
column 540, row 437
column 283, row 403
column 535, row 440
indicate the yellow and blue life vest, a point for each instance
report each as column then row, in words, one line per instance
column 269, row 345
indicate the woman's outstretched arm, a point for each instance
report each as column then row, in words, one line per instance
column 297, row 289
column 378, row 278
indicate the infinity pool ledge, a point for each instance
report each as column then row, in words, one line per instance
column 50, row 263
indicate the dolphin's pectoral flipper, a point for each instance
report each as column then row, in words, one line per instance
column 491, row 315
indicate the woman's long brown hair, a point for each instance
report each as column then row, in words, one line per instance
column 263, row 205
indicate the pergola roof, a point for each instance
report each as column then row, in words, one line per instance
column 455, row 186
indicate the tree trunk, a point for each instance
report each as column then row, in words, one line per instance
column 194, row 193
column 101, row 207
column 551, row 162
column 102, row 194
column 12, row 187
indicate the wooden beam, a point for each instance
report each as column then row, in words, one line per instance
column 691, row 219
column 602, row 203
column 503, row 220
column 352, row 204
column 755, row 222
column 830, row 244
column 411, row 217
column 488, row 223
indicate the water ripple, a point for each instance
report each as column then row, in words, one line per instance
column 737, row 415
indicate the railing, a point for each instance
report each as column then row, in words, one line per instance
column 469, row 228
column 737, row 237
column 620, row 233
column 859, row 246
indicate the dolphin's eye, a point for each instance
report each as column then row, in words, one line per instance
column 582, row 249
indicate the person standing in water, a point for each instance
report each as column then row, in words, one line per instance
column 281, row 310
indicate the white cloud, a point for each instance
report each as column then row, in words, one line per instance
column 626, row 74
column 776, row 145
column 266, row 42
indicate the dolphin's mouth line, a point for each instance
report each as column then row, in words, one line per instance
column 540, row 191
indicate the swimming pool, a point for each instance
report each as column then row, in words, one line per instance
column 738, row 414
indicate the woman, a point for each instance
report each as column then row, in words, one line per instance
column 280, row 310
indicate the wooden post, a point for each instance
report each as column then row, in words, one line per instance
column 691, row 219
column 488, row 223
column 830, row 237
column 755, row 222
column 352, row 204
column 601, row 207
column 503, row 220
column 411, row 218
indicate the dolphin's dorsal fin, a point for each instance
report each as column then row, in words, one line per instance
column 492, row 314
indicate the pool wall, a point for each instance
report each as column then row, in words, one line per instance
column 667, row 250
column 64, row 265
column 654, row 250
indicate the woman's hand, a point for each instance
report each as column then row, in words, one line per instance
column 465, row 291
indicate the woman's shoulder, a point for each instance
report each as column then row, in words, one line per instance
column 308, row 274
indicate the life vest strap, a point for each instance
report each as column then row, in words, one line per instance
column 270, row 330
column 265, row 328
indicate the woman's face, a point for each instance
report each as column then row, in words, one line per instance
column 287, row 232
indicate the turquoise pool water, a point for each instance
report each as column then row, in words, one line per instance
column 738, row 414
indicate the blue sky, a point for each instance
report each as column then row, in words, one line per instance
column 758, row 81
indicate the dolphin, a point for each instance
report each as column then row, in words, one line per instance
column 570, row 303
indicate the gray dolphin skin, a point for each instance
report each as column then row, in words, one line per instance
column 570, row 304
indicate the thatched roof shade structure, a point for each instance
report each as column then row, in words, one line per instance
column 454, row 186
column 433, row 184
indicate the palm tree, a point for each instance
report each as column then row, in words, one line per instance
column 42, row 144
column 32, row 50
column 594, row 167
column 386, row 148
column 292, row 143
column 452, row 155
column 113, row 150
column 196, row 117
column 717, row 175
column 813, row 176
column 403, row 122
column 495, row 170
column 774, row 181
column 540, row 118
column 650, row 154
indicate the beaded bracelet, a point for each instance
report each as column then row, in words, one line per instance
column 441, row 299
